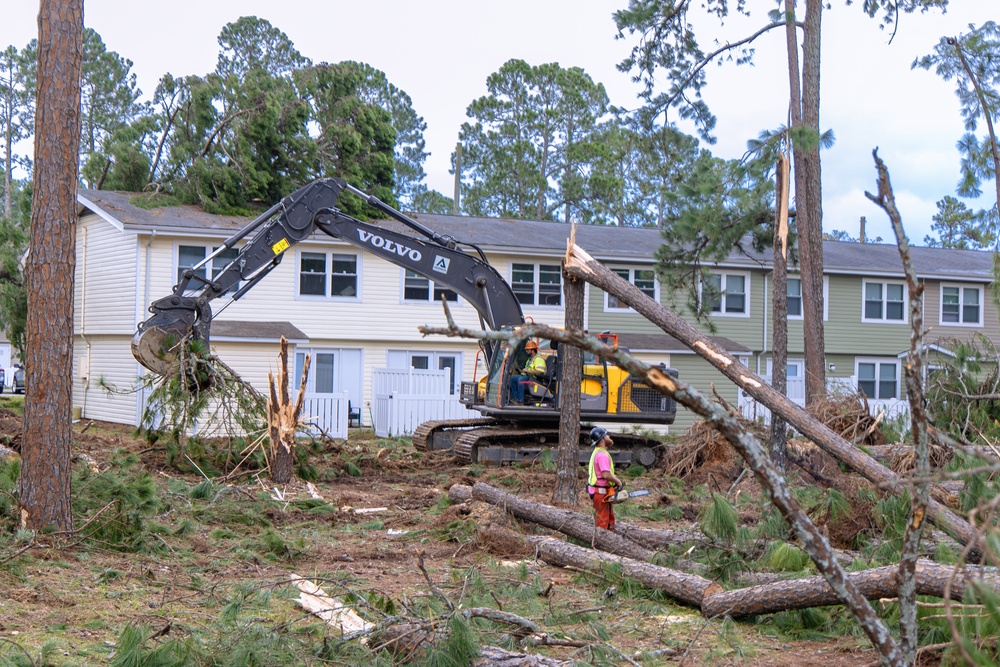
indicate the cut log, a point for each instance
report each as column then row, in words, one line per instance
column 650, row 538
column 459, row 493
column 681, row 586
column 877, row 583
column 564, row 521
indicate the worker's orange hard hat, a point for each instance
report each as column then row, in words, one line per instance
column 531, row 345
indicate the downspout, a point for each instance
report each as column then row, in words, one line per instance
column 145, row 301
column 763, row 346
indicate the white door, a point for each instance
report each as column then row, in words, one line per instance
column 331, row 371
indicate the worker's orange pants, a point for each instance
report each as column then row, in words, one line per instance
column 604, row 513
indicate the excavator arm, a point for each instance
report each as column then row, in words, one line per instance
column 187, row 312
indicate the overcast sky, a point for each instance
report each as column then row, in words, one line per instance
column 441, row 52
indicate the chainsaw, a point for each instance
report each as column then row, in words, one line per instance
column 622, row 495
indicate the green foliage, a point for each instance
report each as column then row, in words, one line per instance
column 635, row 470
column 202, row 490
column 109, row 104
column 971, row 60
column 959, row 227
column 972, row 371
column 114, row 505
column 548, row 460
column 205, row 394
column 532, row 142
column 133, row 650
column 785, row 557
column 457, row 650
column 719, row 519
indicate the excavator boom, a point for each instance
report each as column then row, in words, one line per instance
column 186, row 314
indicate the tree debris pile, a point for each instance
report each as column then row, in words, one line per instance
column 849, row 415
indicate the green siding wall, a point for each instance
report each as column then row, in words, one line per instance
column 746, row 330
column 701, row 375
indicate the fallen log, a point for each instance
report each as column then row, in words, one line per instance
column 459, row 493
column 768, row 598
column 651, row 538
column 494, row 656
column 565, row 521
column 931, row 579
column 681, row 586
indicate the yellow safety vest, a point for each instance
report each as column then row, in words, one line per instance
column 537, row 363
column 593, row 473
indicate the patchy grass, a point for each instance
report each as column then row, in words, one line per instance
column 170, row 568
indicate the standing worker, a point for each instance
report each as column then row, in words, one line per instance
column 533, row 369
column 602, row 482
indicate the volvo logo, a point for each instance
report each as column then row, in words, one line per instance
column 387, row 245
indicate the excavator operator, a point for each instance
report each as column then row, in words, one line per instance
column 533, row 369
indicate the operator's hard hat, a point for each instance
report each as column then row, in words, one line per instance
column 597, row 434
column 531, row 345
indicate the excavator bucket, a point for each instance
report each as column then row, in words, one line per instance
column 156, row 343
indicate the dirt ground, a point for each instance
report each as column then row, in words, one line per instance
column 81, row 595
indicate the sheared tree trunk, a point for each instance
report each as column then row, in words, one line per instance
column 283, row 418
column 568, row 457
column 779, row 312
column 584, row 267
column 45, row 486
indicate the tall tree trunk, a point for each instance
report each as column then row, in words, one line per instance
column 809, row 210
column 570, row 360
column 779, row 319
column 45, row 490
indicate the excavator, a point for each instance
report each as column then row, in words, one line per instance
column 506, row 432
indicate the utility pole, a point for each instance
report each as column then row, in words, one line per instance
column 458, row 177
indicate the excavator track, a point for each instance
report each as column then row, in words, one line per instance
column 503, row 444
column 441, row 434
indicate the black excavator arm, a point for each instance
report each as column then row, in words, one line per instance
column 187, row 312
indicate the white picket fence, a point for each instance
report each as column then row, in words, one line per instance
column 404, row 398
column 796, row 392
column 326, row 414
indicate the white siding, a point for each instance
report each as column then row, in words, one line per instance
column 110, row 392
column 104, row 292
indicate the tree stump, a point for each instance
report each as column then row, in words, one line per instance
column 283, row 418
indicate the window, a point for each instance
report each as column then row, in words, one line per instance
column 418, row 288
column 884, row 302
column 961, row 305
column 878, row 379
column 727, row 293
column 189, row 256
column 794, row 291
column 794, row 368
column 328, row 274
column 537, row 284
column 644, row 279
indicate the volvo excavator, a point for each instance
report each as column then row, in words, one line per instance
column 506, row 432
